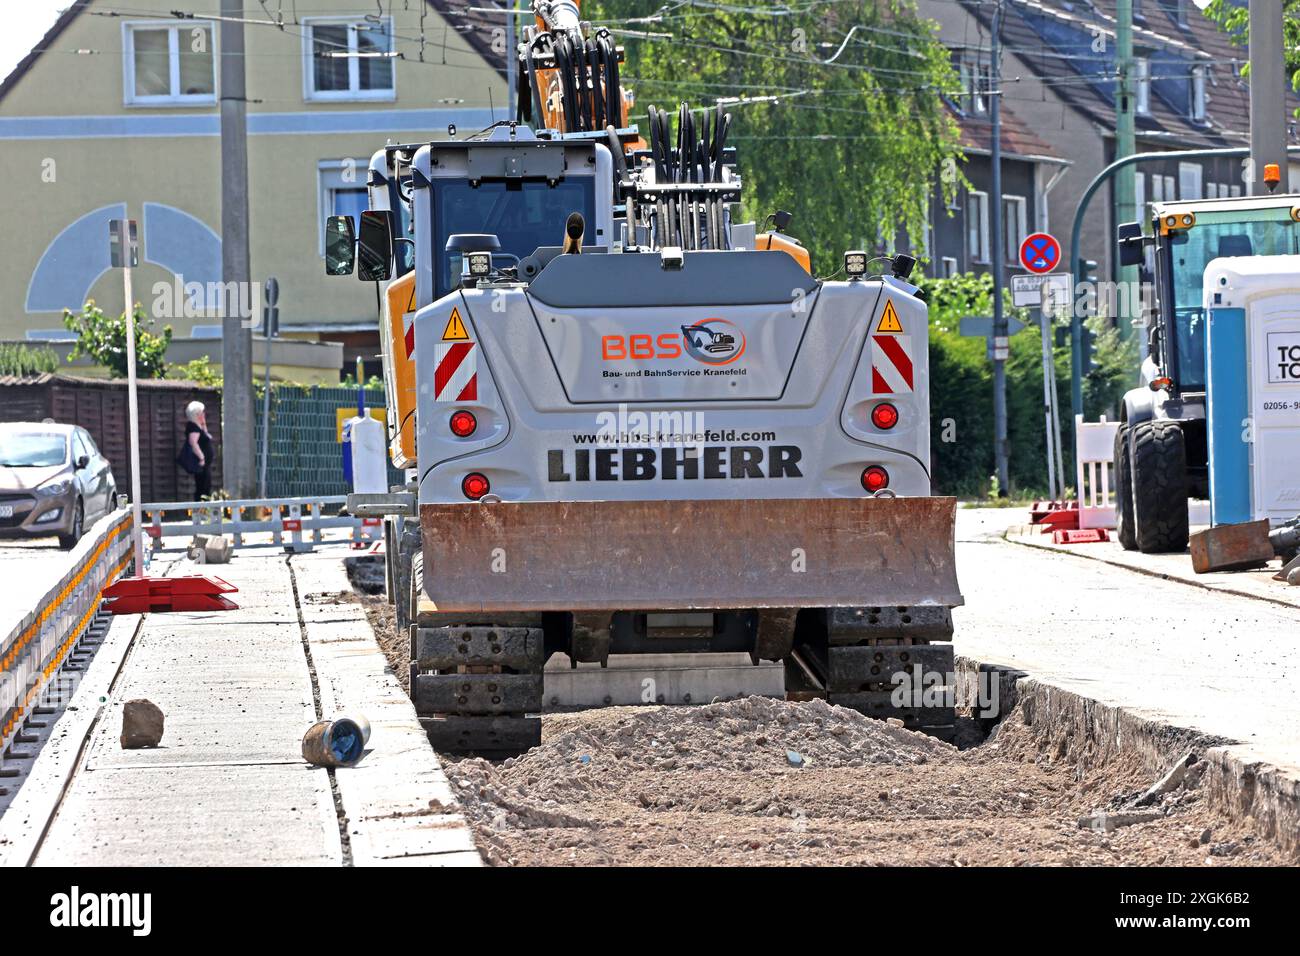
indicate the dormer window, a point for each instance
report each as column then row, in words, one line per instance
column 976, row 82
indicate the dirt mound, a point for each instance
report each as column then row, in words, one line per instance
column 760, row 781
column 753, row 733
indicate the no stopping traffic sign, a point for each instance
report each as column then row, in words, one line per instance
column 1040, row 252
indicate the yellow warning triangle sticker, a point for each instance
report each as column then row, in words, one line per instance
column 410, row 306
column 455, row 330
column 889, row 321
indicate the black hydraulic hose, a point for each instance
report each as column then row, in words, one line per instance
column 670, row 169
column 596, row 57
column 532, row 81
column 613, row 89
column 655, row 157
column 564, row 68
column 720, row 145
column 581, row 84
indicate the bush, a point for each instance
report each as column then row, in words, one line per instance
column 102, row 338
column 199, row 370
column 19, row 359
column 961, row 391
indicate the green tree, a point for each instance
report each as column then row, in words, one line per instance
column 850, row 147
column 1234, row 20
column 19, row 359
column 102, row 338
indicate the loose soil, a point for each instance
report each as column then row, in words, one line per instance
column 768, row 782
column 717, row 785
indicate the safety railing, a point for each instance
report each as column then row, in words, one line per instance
column 34, row 648
column 294, row 523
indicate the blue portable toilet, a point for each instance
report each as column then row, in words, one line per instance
column 1253, row 387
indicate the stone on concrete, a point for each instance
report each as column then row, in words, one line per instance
column 142, row 724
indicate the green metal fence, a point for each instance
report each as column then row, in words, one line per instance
column 305, row 455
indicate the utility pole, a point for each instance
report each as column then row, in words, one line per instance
column 236, row 336
column 1125, row 145
column 1267, row 93
column 995, row 221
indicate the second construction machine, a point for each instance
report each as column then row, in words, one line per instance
column 632, row 425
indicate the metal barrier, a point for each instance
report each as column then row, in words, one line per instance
column 292, row 523
column 34, row 649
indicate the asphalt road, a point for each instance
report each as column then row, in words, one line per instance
column 1219, row 663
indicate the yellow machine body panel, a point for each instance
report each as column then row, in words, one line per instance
column 774, row 240
column 398, row 341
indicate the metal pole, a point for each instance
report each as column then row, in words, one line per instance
column 995, row 220
column 1045, row 320
column 236, row 334
column 1125, row 145
column 1267, row 94
column 132, row 405
column 266, row 420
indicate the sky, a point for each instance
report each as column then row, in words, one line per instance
column 22, row 24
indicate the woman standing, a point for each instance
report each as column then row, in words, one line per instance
column 200, row 444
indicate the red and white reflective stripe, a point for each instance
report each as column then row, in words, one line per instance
column 408, row 330
column 891, row 364
column 455, row 375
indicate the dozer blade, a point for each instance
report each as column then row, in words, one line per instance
column 683, row 555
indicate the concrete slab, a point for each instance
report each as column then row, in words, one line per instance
column 228, row 785
column 659, row 678
column 1207, row 659
column 398, row 803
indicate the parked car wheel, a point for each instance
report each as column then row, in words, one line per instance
column 69, row 540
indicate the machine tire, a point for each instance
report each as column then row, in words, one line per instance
column 1159, row 481
column 1123, row 479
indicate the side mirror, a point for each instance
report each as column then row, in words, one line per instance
column 82, row 462
column 340, row 246
column 1129, row 237
column 375, row 257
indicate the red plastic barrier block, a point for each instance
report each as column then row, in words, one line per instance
column 1060, row 518
column 157, row 595
column 1080, row 536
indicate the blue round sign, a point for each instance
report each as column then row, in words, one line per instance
column 1040, row 252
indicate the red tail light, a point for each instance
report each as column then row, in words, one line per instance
column 875, row 479
column 463, row 424
column 475, row 486
column 884, row 416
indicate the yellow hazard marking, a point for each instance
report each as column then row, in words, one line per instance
column 455, row 330
column 889, row 321
column 410, row 306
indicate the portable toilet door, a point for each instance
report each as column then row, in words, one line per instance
column 1253, row 390
column 1273, row 325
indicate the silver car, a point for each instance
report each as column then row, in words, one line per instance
column 53, row 481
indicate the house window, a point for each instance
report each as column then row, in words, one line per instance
column 949, row 267
column 169, row 64
column 1189, row 181
column 1013, row 227
column 976, row 82
column 1198, row 94
column 1142, row 73
column 977, row 226
column 1140, row 195
column 349, row 60
column 342, row 193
